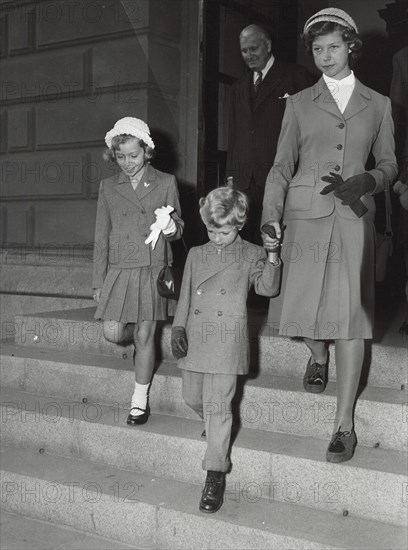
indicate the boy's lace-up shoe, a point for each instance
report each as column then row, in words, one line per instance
column 341, row 446
column 213, row 492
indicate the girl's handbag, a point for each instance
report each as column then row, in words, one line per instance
column 384, row 242
column 169, row 278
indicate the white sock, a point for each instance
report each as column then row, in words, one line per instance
column 139, row 398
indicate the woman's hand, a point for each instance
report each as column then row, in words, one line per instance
column 97, row 294
column 271, row 234
column 351, row 189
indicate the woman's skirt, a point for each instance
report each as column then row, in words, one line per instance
column 130, row 296
column 328, row 281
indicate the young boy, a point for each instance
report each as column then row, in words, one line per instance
column 210, row 334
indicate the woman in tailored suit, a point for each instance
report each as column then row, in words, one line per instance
column 328, row 133
column 127, row 259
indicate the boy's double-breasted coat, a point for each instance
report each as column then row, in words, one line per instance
column 212, row 304
column 123, row 221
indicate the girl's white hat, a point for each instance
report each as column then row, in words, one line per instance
column 333, row 15
column 131, row 126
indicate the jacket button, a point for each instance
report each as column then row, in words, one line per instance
column 223, row 291
column 199, row 291
column 339, row 147
column 337, row 168
column 143, row 211
column 341, row 125
column 219, row 313
column 196, row 311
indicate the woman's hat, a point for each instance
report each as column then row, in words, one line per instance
column 333, row 15
column 132, row 127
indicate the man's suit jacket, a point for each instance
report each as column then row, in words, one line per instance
column 255, row 123
column 317, row 139
column 212, row 304
column 123, row 221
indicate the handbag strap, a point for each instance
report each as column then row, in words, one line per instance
column 166, row 243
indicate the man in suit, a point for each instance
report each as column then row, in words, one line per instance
column 256, row 112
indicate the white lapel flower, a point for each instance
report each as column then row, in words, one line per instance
column 284, row 96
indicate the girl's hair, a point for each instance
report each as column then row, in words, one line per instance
column 110, row 152
column 224, row 206
column 326, row 27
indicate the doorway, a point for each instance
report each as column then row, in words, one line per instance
column 222, row 65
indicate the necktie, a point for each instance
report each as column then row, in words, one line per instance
column 258, row 81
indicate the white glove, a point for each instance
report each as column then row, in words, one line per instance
column 164, row 222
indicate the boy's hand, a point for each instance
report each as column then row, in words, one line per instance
column 179, row 344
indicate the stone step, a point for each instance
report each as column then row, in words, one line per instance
column 151, row 512
column 386, row 362
column 267, row 402
column 286, row 468
column 24, row 533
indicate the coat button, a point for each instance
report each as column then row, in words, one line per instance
column 339, row 147
column 143, row 211
column 199, row 291
column 223, row 291
column 341, row 125
column 219, row 313
column 337, row 168
column 196, row 311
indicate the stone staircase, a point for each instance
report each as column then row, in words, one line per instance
column 69, row 458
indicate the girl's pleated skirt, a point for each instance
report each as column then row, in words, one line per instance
column 130, row 296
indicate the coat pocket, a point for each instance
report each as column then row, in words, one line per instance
column 299, row 197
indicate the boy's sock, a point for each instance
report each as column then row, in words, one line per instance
column 139, row 398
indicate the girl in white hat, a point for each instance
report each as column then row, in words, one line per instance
column 138, row 215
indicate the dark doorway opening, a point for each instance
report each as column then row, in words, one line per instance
column 222, row 64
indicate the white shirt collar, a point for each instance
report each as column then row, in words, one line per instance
column 265, row 70
column 349, row 80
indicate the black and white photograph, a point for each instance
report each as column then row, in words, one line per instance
column 204, row 274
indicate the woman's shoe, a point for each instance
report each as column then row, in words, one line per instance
column 138, row 419
column 341, row 446
column 315, row 378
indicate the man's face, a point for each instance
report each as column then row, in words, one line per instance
column 256, row 50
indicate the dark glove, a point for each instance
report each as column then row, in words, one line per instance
column 269, row 230
column 350, row 190
column 179, row 344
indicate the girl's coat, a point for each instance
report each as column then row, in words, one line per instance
column 123, row 221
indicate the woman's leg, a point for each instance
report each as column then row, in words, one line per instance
column 349, row 362
column 318, row 350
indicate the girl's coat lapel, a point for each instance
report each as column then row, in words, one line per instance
column 146, row 185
